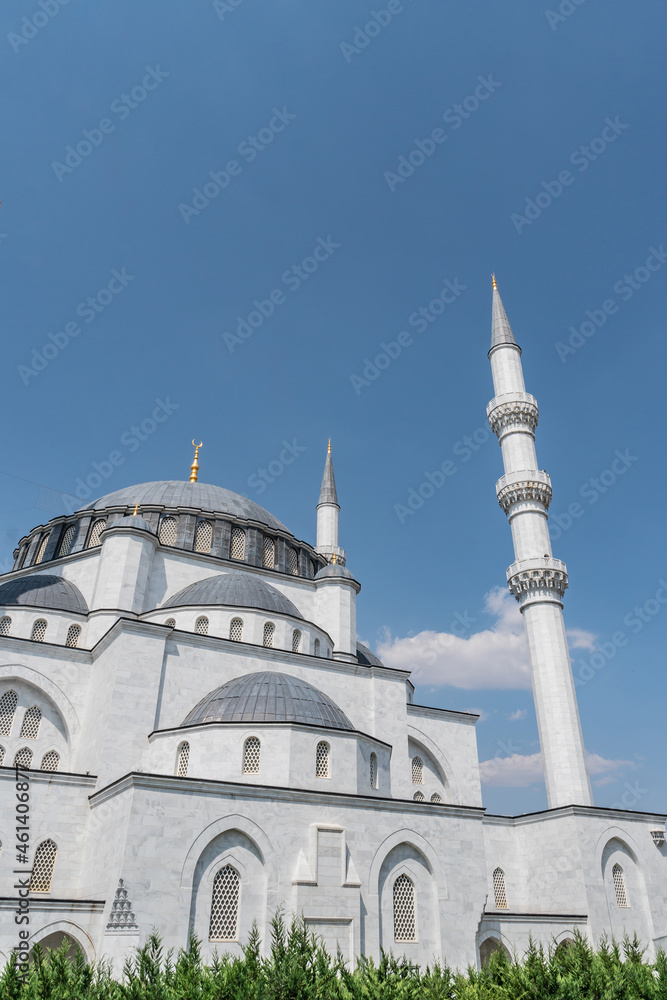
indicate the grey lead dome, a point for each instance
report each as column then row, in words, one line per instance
column 44, row 591
column 234, row 590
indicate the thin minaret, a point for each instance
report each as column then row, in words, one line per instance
column 328, row 513
column 536, row 579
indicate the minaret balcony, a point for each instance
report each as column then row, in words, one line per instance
column 512, row 411
column 527, row 486
column 537, row 579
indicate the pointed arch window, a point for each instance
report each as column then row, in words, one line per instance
column 405, row 925
column 252, row 749
column 66, row 541
column 2, row 755
column 417, row 771
column 38, row 633
column 183, row 760
column 296, row 640
column 170, row 623
column 293, row 561
column 499, row 890
column 322, row 758
column 201, row 626
column 316, row 648
column 31, row 723
column 436, row 798
column 7, row 711
column 203, row 536
column 418, row 796
column 374, row 770
column 23, row 758
column 167, row 532
column 619, row 886
column 21, row 559
column 5, row 625
column 42, row 867
column 268, row 634
column 41, row 548
column 236, row 630
column 225, row 905
column 98, row 527
column 50, row 761
column 237, row 544
column 73, row 633
column 268, row 553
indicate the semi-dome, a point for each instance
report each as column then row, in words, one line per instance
column 269, row 697
column 367, row 657
column 44, row 591
column 200, row 496
column 234, row 590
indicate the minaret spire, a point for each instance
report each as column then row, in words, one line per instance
column 328, row 490
column 536, row 579
column 328, row 512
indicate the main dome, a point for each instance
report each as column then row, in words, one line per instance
column 200, row 496
column 269, row 697
column 234, row 590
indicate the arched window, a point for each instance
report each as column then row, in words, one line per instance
column 619, row 886
column 167, row 531
column 42, row 867
column 237, row 544
column 94, row 537
column 236, row 629
column 436, row 797
column 2, row 755
column 417, row 771
column 418, row 796
column 322, row 760
column 405, row 928
column 316, row 648
column 201, row 626
column 251, row 755
column 5, row 625
column 225, row 905
column 73, row 633
column 7, row 710
column 66, row 541
column 170, row 623
column 41, row 549
column 269, row 553
column 38, row 633
column 21, row 559
column 31, row 723
column 50, row 761
column 203, row 536
column 296, row 640
column 374, row 771
column 183, row 760
column 23, row 758
column 499, row 891
column 269, row 631
column 293, row 561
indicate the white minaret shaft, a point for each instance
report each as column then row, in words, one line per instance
column 328, row 513
column 536, row 579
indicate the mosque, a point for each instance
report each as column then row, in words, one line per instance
column 205, row 741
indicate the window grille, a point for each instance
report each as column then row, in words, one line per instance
column 404, row 910
column 2, row 755
column 170, row 623
column 296, row 640
column 269, row 553
column 499, row 892
column 269, row 631
column 66, row 541
column 374, row 770
column 418, row 796
column 41, row 550
column 251, row 755
column 203, row 536
column 316, row 648
column 201, row 626
column 5, row 625
column 417, row 771
column 436, row 797
column 183, row 760
column 619, row 886
column 237, row 546
column 73, row 633
column 42, row 867
column 293, row 562
column 21, row 559
column 31, row 723
column 50, row 761
column 225, row 905
column 39, row 630
column 322, row 760
column 95, row 532
column 167, row 532
column 23, row 758
column 236, row 629
column 7, row 710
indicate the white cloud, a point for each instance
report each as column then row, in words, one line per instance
column 520, row 713
column 522, row 770
column 483, row 715
column 579, row 638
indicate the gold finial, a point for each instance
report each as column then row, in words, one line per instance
column 493, row 281
column 329, row 448
column 333, row 559
column 194, row 468
column 136, row 509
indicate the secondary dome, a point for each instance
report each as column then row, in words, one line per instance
column 269, row 697
column 234, row 590
column 43, row 591
column 200, row 496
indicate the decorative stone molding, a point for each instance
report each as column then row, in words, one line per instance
column 527, row 486
column 533, row 581
column 122, row 916
column 512, row 411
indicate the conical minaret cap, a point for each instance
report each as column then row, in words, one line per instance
column 501, row 331
column 328, row 491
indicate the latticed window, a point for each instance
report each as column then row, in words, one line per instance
column 7, row 710
column 170, row 623
column 237, row 545
column 73, row 633
column 269, row 632
column 418, row 796
column 269, row 553
column 39, row 630
column 251, row 755
column 436, row 797
column 31, row 723
column 293, row 562
column 66, row 541
column 201, row 626
column 98, row 527
column 41, row 549
column 167, row 532
column 404, row 910
column 203, row 536
column 183, row 760
column 417, row 771
column 5, row 625
column 619, row 886
column 42, row 867
column 374, row 771
column 296, row 640
column 236, row 629
column 2, row 755
column 316, row 648
column 50, row 761
column 23, row 758
column 322, row 760
column 225, row 905
column 499, row 891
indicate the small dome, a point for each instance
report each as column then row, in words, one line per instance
column 269, row 697
column 133, row 521
column 366, row 657
column 43, row 591
column 334, row 570
column 234, row 590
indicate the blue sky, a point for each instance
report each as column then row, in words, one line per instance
column 305, row 117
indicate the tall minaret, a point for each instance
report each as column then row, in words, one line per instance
column 328, row 513
column 536, row 579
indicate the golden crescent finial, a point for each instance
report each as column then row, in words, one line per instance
column 194, row 468
column 136, row 509
column 493, row 281
column 329, row 448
